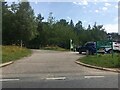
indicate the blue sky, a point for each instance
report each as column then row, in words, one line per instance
column 89, row 12
column 105, row 13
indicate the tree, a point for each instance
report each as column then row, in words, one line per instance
column 78, row 26
column 7, row 34
column 25, row 22
column 20, row 23
column 89, row 27
column 51, row 19
column 39, row 23
column 39, row 18
column 98, row 33
column 71, row 24
column 63, row 22
column 40, row 37
column 14, row 7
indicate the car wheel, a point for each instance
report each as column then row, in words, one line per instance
column 90, row 53
column 110, row 51
column 80, row 52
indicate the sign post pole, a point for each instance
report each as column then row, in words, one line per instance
column 71, row 45
column 96, row 47
column 112, row 47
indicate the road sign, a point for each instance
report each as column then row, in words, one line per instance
column 104, row 44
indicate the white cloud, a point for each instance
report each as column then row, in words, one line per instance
column 90, row 10
column 95, row 0
column 68, row 18
column 105, row 0
column 83, row 2
column 79, row 3
column 104, row 8
column 96, row 11
column 111, row 27
column 107, row 4
column 116, row 6
column 84, row 21
column 84, row 7
column 75, row 3
column 36, row 1
column 95, row 3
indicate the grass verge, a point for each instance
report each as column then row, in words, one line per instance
column 55, row 48
column 12, row 53
column 105, row 60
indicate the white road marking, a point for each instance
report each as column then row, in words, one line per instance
column 57, row 78
column 93, row 77
column 9, row 80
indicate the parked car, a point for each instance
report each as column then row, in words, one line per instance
column 116, row 47
column 89, row 48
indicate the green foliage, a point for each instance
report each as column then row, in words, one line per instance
column 25, row 18
column 19, row 23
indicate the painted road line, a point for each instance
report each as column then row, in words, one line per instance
column 56, row 78
column 2, row 80
column 88, row 77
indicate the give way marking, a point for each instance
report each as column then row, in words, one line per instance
column 88, row 77
column 56, row 78
column 1, row 80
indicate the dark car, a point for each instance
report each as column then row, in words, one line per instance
column 89, row 48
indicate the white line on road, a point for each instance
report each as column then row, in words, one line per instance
column 9, row 80
column 57, row 78
column 93, row 77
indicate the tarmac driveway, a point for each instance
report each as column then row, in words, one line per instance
column 45, row 64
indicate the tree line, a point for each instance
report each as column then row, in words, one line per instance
column 19, row 23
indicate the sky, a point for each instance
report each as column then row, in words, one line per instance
column 103, row 13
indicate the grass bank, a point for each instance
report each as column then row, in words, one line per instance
column 105, row 60
column 55, row 48
column 11, row 53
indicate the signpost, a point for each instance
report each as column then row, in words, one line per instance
column 104, row 44
column 71, row 44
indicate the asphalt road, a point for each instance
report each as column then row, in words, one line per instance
column 54, row 69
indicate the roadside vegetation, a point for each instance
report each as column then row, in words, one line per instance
column 55, row 48
column 11, row 53
column 105, row 60
column 35, row 32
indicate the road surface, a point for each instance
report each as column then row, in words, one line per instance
column 55, row 69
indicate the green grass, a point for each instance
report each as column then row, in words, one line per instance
column 55, row 48
column 105, row 60
column 12, row 53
